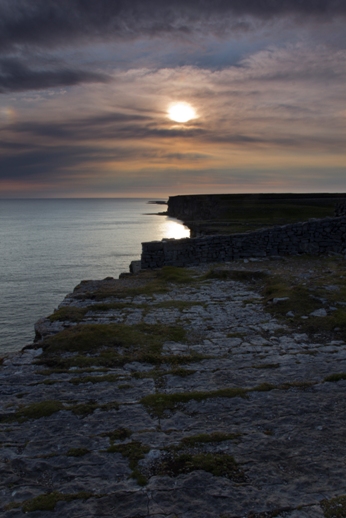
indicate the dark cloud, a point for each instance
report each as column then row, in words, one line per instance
column 39, row 161
column 51, row 22
column 109, row 126
column 17, row 77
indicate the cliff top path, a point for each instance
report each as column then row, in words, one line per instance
column 209, row 392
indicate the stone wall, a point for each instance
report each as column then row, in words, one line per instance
column 315, row 237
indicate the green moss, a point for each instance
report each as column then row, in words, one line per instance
column 335, row 507
column 182, row 373
column 48, row 501
column 71, row 313
column 108, row 345
column 307, row 282
column 194, row 440
column 267, row 387
column 176, row 275
column 35, row 411
column 49, row 382
column 21, row 395
column 108, row 306
column 266, row 366
column 67, row 370
column 264, row 387
column 120, row 434
column 134, row 451
column 147, row 283
column 236, row 275
column 110, row 378
column 77, row 452
column 218, row 464
column 88, row 408
column 336, row 377
column 158, row 403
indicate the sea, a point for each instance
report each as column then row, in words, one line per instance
column 47, row 246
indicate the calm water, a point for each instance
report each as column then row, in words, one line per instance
column 48, row 246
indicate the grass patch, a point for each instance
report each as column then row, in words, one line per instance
column 218, row 464
column 34, row 411
column 182, row 373
column 48, row 501
column 264, row 387
column 148, row 283
column 89, row 407
column 158, row 403
column 120, row 434
column 266, row 366
column 67, row 370
column 335, row 507
column 77, row 452
column 134, row 451
column 110, row 378
column 102, row 307
column 175, row 371
column 310, row 283
column 71, row 313
column 336, row 377
column 194, row 440
column 243, row 213
column 47, row 408
column 176, row 275
column 108, row 345
column 236, row 275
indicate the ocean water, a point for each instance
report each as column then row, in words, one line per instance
column 48, row 246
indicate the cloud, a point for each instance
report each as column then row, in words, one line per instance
column 17, row 77
column 53, row 22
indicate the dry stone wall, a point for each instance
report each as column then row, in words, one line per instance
column 314, row 236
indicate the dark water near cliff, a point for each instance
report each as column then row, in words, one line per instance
column 48, row 246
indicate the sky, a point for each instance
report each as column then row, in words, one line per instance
column 86, row 87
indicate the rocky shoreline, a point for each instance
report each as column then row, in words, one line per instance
column 182, row 393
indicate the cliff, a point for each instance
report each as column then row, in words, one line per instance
column 228, row 213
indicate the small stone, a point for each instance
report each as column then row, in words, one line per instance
column 319, row 313
column 289, row 314
column 276, row 300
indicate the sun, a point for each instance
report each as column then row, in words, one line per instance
column 181, row 112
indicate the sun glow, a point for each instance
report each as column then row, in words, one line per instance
column 181, row 112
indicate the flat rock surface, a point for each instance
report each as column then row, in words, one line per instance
column 285, row 429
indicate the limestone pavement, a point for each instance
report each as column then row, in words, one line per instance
column 285, row 430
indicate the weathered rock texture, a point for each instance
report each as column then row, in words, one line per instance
column 314, row 237
column 288, row 438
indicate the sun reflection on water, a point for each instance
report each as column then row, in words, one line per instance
column 173, row 229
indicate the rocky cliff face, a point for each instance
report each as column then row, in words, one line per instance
column 208, row 214
column 194, row 207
